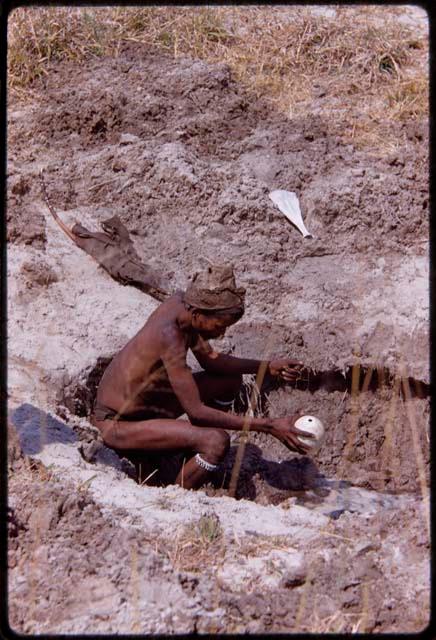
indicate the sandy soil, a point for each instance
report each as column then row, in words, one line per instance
column 187, row 158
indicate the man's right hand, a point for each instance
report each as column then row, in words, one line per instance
column 287, row 433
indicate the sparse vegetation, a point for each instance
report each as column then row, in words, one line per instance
column 196, row 547
column 363, row 64
column 209, row 528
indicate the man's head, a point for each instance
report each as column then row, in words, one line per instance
column 213, row 324
column 214, row 300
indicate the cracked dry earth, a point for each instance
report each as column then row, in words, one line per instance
column 186, row 158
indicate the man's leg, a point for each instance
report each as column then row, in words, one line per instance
column 209, row 445
column 217, row 391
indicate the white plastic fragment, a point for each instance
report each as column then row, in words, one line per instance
column 288, row 204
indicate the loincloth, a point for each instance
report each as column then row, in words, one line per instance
column 153, row 411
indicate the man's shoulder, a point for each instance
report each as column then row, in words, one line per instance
column 172, row 304
column 169, row 307
column 167, row 325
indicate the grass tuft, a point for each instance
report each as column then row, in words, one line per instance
column 209, row 528
column 197, row 547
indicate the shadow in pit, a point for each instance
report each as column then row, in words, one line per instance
column 36, row 428
column 259, row 479
column 268, row 482
column 368, row 378
column 273, row 482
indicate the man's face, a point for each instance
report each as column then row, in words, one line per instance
column 212, row 327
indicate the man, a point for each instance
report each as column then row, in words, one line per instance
column 148, row 384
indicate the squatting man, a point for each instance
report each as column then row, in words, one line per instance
column 148, row 384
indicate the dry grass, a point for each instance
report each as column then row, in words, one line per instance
column 197, row 547
column 339, row 622
column 259, row 545
column 370, row 68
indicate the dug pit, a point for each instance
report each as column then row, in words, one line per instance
column 367, row 434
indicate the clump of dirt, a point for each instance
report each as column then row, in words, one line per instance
column 38, row 275
column 15, row 453
column 29, row 231
column 29, row 226
column 79, row 396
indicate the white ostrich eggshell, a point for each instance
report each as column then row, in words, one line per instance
column 312, row 425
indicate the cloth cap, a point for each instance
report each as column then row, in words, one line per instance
column 215, row 289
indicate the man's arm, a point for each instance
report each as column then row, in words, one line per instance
column 183, row 385
column 215, row 362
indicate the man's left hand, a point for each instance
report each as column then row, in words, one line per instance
column 286, row 369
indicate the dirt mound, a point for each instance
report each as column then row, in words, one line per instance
column 55, row 530
column 91, row 571
column 252, row 148
column 187, row 162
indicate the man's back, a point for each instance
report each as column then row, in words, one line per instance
column 138, row 369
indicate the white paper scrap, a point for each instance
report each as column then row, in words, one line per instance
column 288, row 204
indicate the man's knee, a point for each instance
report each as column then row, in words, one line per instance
column 108, row 430
column 217, row 444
